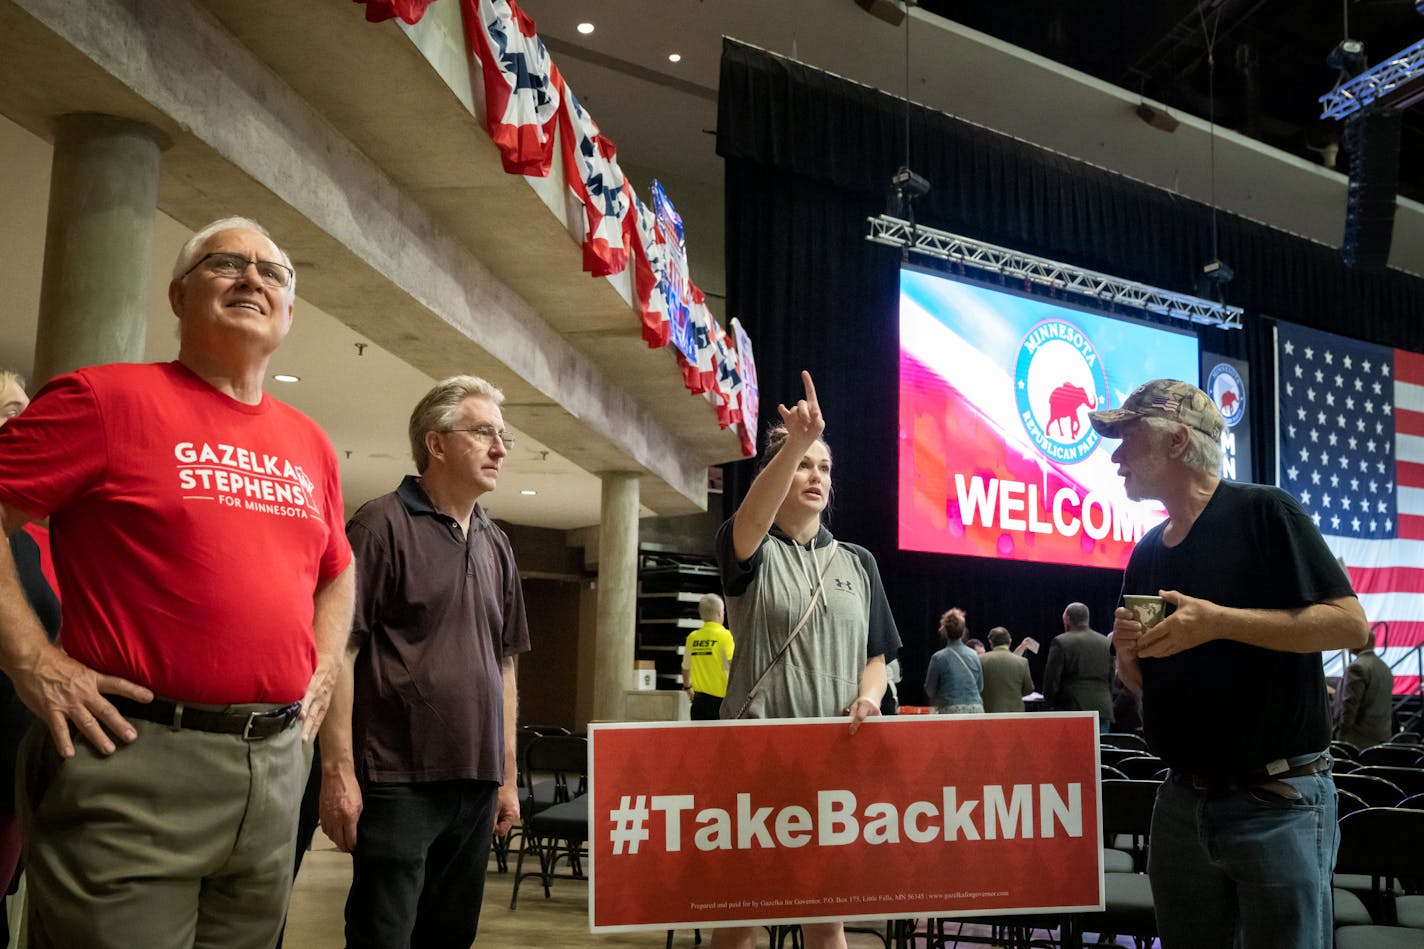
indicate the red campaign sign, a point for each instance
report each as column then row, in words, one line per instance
column 800, row 821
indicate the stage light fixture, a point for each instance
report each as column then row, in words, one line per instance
column 1218, row 271
column 1157, row 118
column 1347, row 57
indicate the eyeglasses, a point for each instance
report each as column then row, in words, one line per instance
column 222, row 264
column 486, row 434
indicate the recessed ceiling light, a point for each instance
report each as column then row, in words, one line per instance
column 287, row 377
column 585, row 28
column 674, row 57
column 528, row 493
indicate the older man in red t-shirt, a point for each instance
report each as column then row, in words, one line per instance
column 197, row 531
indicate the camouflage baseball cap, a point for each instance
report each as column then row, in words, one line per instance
column 1170, row 399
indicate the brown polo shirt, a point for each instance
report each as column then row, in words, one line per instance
column 436, row 613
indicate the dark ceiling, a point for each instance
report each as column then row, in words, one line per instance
column 1269, row 58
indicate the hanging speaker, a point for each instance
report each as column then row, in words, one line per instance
column 1372, row 141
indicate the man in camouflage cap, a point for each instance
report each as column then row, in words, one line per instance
column 1243, row 833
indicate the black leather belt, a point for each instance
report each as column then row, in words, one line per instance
column 1257, row 780
column 262, row 723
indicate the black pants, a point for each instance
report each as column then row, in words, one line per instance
column 418, row 870
column 706, row 707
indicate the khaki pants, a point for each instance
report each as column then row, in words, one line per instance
column 181, row 839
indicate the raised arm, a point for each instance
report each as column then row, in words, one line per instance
column 804, row 425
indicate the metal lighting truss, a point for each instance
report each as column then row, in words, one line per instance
column 1397, row 83
column 988, row 258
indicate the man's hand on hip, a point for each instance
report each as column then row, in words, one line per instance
column 60, row 690
column 318, row 698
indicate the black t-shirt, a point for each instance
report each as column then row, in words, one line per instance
column 1225, row 707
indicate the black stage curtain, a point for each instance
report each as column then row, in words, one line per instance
column 808, row 159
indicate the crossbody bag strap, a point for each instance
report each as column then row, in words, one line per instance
column 795, row 631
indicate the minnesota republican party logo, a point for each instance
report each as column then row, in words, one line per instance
column 1226, row 389
column 1059, row 379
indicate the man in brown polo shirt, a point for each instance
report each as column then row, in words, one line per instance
column 418, row 754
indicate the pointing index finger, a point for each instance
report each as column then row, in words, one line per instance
column 810, row 387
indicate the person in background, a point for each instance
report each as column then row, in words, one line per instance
column 418, row 755
column 813, row 624
column 1243, row 830
column 197, row 525
column 706, row 660
column 954, row 681
column 30, row 548
column 1006, row 676
column 1079, row 674
column 1367, row 699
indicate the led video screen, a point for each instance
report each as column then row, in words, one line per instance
column 997, row 458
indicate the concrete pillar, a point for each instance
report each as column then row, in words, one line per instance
column 617, row 594
column 98, row 243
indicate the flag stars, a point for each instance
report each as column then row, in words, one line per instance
column 1320, row 417
column 1330, row 360
column 1378, row 464
column 1329, row 398
column 1345, row 502
column 1370, row 445
column 1291, row 430
column 1379, row 428
column 1373, row 526
column 1310, row 394
column 1366, row 366
column 1388, row 524
column 1374, row 486
column 1292, row 472
column 1310, row 354
column 1334, row 481
column 1333, row 439
column 1349, row 363
column 1386, row 409
column 1314, row 477
column 1350, row 402
column 1384, row 369
column 1304, row 454
column 1360, row 425
column 1359, row 385
column 1369, row 406
column 1316, row 519
column 1290, row 388
column 1353, row 442
column 1324, row 458
column 1319, row 375
column 1339, row 381
column 1300, row 414
column 1345, row 464
column 1299, row 371
column 1325, row 500
column 1335, row 522
column 1315, row 436
column 1354, row 484
column 1355, row 523
column 1305, row 497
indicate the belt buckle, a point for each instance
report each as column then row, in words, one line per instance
column 252, row 718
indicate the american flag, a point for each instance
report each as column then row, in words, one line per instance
column 1350, row 448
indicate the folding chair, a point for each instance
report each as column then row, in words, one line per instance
column 1376, row 792
column 1372, row 843
column 1410, row 780
column 556, row 830
column 1127, row 897
column 1124, row 740
column 1142, row 767
column 1399, row 756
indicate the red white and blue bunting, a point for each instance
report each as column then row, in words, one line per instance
column 528, row 106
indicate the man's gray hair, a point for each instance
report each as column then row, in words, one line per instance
column 188, row 255
column 7, row 376
column 1203, row 454
column 710, row 608
column 436, row 411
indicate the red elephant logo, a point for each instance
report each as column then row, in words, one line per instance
column 1228, row 402
column 1063, row 403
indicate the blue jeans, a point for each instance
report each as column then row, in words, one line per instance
column 1244, row 868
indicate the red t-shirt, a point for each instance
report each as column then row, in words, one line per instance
column 189, row 530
